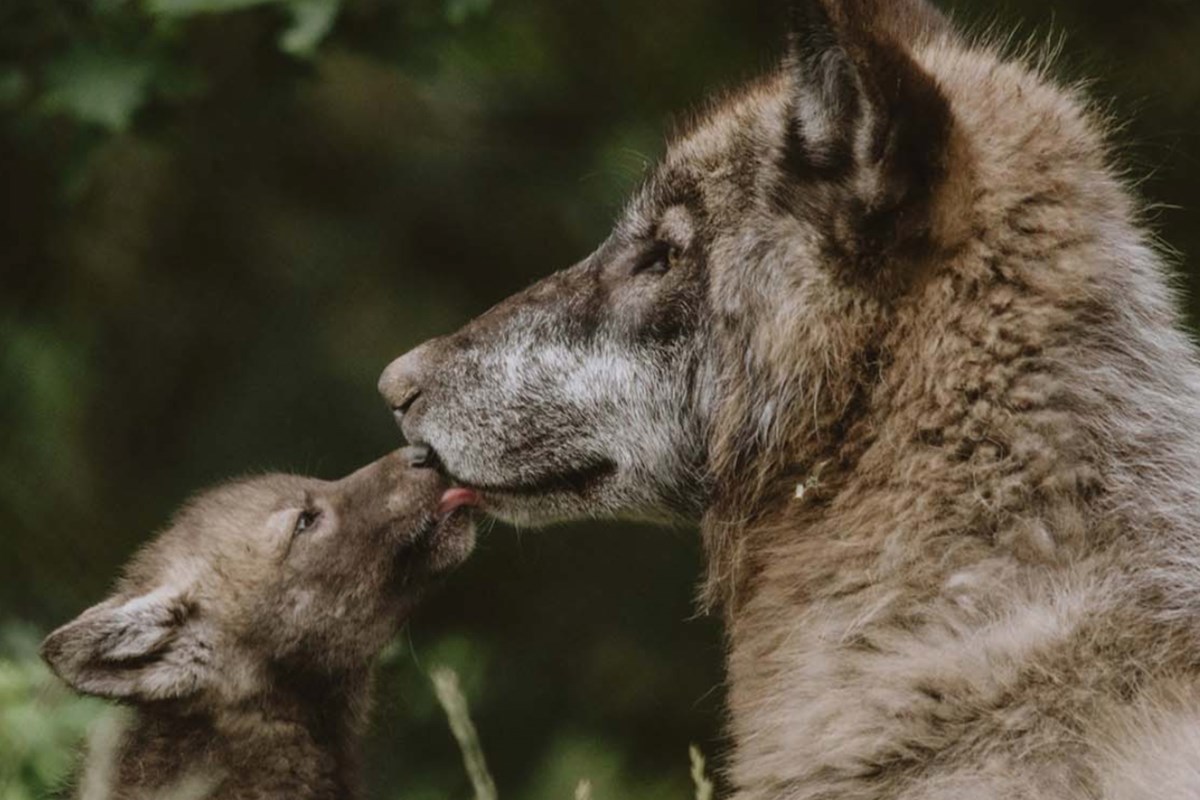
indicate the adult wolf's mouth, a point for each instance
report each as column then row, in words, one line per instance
column 574, row 481
column 578, row 480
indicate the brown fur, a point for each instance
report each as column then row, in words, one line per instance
column 888, row 323
column 989, row 586
column 243, row 635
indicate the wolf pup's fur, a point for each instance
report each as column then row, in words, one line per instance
column 243, row 635
column 887, row 322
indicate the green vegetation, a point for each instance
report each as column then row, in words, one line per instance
column 44, row 727
column 224, row 217
column 42, row 722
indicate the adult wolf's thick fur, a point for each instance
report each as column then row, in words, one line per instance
column 888, row 323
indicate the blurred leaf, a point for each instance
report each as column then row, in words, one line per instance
column 465, row 658
column 13, row 85
column 460, row 11
column 98, row 87
column 179, row 82
column 41, row 722
column 46, row 378
column 311, row 22
column 574, row 758
column 188, row 8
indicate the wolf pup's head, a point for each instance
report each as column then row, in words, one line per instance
column 748, row 268
column 265, row 575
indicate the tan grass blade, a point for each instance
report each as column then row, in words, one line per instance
column 454, row 703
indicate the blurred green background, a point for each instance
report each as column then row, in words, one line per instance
column 222, row 218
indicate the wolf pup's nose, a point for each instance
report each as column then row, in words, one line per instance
column 418, row 455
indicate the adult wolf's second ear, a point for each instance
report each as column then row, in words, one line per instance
column 870, row 128
column 146, row 647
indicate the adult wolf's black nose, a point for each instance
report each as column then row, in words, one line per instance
column 400, row 384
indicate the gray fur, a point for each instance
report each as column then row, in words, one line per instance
column 243, row 643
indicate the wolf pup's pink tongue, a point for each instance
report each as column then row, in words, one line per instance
column 456, row 498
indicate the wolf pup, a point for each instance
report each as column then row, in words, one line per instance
column 243, row 635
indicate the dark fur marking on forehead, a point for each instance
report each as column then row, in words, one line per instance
column 666, row 189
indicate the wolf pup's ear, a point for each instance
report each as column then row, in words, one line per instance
column 141, row 648
column 869, row 129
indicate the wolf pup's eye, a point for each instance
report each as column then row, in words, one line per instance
column 658, row 260
column 305, row 520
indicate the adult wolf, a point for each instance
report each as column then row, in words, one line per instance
column 887, row 324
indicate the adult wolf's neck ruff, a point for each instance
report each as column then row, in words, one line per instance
column 990, row 589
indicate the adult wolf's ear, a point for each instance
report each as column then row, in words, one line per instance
column 868, row 123
column 144, row 648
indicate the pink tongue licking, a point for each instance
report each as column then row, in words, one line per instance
column 457, row 498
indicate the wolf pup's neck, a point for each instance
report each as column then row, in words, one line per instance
column 298, row 742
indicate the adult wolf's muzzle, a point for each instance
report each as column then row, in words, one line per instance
column 565, row 400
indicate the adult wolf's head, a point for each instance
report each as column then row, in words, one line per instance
column 631, row 382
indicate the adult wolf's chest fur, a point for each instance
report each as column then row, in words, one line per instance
column 981, row 677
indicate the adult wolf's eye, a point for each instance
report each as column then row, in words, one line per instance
column 657, row 260
column 306, row 520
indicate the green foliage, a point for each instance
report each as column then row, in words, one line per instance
column 310, row 20
column 188, row 8
column 43, row 727
column 97, row 87
column 118, row 57
column 41, row 723
column 575, row 756
column 13, row 86
column 460, row 11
